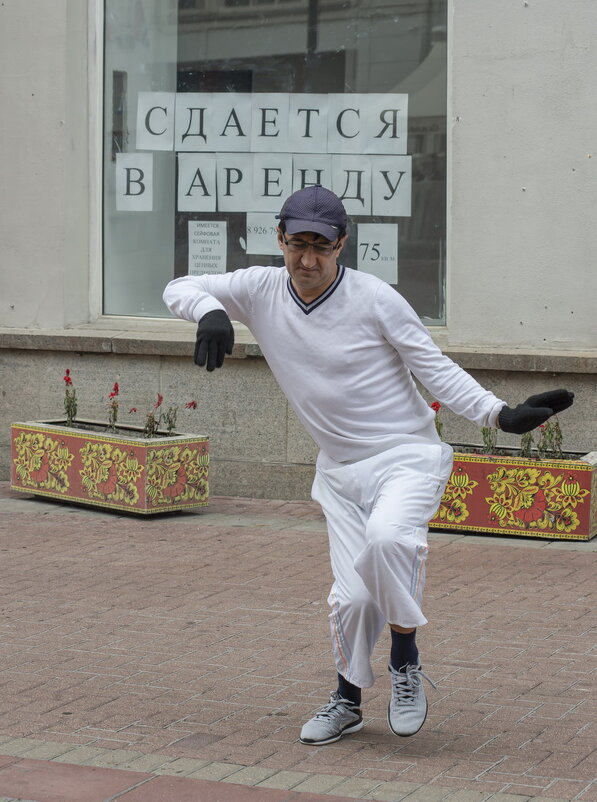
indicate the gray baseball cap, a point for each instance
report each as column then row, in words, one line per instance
column 315, row 209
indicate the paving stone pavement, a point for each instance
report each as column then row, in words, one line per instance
column 176, row 657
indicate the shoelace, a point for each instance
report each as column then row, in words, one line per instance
column 332, row 709
column 405, row 687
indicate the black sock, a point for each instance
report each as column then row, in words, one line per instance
column 404, row 649
column 349, row 691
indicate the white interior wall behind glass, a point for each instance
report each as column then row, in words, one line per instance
column 141, row 41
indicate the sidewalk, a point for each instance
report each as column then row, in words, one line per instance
column 175, row 658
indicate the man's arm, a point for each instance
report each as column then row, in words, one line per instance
column 452, row 385
column 210, row 301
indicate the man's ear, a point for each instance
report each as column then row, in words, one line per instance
column 280, row 237
column 341, row 245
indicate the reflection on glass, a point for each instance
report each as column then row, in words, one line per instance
column 282, row 46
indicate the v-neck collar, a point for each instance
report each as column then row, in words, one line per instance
column 309, row 306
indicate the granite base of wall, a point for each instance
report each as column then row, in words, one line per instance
column 257, row 445
column 261, row 480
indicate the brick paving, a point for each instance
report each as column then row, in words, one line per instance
column 177, row 658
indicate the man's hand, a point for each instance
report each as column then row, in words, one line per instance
column 535, row 411
column 215, row 337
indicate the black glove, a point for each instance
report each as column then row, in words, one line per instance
column 215, row 337
column 535, row 411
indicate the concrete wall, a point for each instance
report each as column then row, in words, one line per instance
column 523, row 171
column 44, row 163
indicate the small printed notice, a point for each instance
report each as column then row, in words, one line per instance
column 207, row 247
column 378, row 250
column 262, row 236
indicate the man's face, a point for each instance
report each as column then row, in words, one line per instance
column 311, row 261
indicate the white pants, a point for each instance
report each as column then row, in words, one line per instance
column 377, row 511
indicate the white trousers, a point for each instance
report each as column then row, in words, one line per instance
column 377, row 511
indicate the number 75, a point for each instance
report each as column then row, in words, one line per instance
column 371, row 249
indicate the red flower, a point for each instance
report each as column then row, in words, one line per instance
column 132, row 409
column 67, row 379
column 191, row 405
column 115, row 390
column 534, row 512
column 436, row 406
column 160, row 401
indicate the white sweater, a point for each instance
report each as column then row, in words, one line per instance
column 345, row 360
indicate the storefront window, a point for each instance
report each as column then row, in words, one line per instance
column 215, row 110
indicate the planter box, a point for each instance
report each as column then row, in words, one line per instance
column 510, row 495
column 121, row 471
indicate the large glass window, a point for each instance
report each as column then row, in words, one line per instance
column 215, row 110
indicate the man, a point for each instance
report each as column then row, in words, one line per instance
column 344, row 347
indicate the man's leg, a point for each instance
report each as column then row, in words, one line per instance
column 404, row 647
column 403, row 495
column 355, row 620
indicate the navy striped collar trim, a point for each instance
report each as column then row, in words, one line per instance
column 311, row 305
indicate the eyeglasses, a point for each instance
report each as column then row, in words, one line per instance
column 300, row 246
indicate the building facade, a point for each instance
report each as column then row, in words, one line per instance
column 144, row 139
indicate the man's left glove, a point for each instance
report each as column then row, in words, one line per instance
column 215, row 337
column 535, row 411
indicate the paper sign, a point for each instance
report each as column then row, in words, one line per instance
column 351, row 181
column 272, row 181
column 311, row 168
column 378, row 250
column 207, row 247
column 269, row 123
column 391, row 185
column 235, row 181
column 262, row 235
column 134, row 182
column 155, row 120
column 308, row 123
column 213, row 121
column 196, row 182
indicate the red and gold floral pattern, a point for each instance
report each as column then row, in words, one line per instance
column 453, row 508
column 516, row 496
column 110, row 473
column 177, row 474
column 534, row 499
column 42, row 462
column 119, row 471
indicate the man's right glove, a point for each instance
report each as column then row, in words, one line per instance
column 215, row 337
column 535, row 411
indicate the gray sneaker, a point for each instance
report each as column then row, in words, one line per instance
column 339, row 717
column 407, row 710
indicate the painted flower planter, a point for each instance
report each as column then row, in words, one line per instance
column 122, row 471
column 511, row 495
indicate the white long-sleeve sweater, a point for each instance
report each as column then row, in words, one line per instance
column 345, row 360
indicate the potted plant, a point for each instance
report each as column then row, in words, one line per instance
column 141, row 469
column 534, row 491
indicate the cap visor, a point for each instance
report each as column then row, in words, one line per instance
column 312, row 227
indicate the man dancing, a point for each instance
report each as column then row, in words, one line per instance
column 344, row 347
